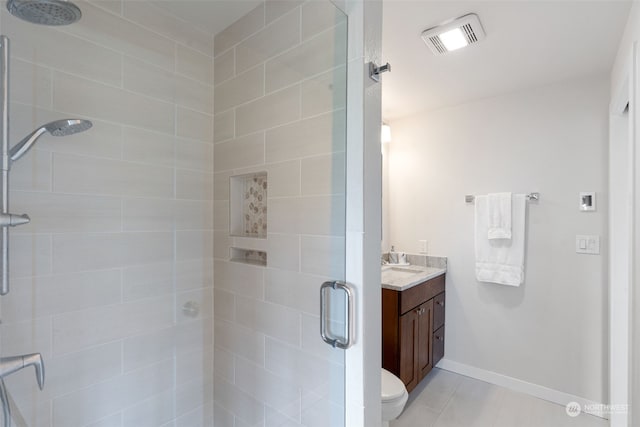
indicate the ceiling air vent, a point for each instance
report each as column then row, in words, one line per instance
column 454, row 34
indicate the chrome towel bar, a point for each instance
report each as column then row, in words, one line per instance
column 470, row 198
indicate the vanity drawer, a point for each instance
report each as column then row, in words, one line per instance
column 438, row 311
column 438, row 345
column 413, row 297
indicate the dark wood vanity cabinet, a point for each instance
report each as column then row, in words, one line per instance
column 415, row 344
column 413, row 330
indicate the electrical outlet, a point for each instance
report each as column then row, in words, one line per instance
column 423, row 246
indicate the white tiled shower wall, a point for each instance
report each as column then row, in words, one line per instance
column 280, row 94
column 122, row 217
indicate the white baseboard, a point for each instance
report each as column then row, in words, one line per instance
column 541, row 392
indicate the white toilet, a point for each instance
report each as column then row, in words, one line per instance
column 394, row 397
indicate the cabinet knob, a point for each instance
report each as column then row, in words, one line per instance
column 439, row 338
column 440, row 303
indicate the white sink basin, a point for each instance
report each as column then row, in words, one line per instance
column 401, row 277
column 400, row 271
column 405, row 270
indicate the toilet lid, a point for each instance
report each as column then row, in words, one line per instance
column 392, row 386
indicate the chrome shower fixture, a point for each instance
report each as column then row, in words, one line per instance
column 62, row 127
column 9, row 365
column 45, row 12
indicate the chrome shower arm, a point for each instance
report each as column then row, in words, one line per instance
column 9, row 365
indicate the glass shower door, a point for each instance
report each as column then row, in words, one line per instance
column 279, row 221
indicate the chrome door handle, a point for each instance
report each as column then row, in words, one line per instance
column 349, row 327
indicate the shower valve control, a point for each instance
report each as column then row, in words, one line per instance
column 11, row 220
column 191, row 308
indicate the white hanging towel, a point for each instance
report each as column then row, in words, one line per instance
column 499, row 205
column 500, row 260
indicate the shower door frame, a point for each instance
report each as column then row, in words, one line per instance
column 364, row 211
column 620, row 223
column 624, row 219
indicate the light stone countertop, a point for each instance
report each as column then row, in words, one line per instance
column 399, row 277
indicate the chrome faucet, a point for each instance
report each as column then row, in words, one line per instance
column 9, row 365
column 6, row 405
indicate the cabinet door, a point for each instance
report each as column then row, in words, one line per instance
column 425, row 331
column 409, row 336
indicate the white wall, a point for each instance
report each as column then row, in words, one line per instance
column 552, row 330
column 386, row 235
column 622, row 63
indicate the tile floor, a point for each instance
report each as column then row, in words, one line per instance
column 446, row 399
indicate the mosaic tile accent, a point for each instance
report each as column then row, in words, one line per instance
column 249, row 205
column 255, row 206
column 249, row 256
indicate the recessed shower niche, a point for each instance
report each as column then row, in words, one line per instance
column 248, row 205
column 248, row 256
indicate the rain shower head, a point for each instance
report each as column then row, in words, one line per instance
column 62, row 127
column 45, row 12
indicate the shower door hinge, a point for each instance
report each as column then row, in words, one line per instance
column 375, row 71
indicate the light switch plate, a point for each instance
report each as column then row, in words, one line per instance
column 423, row 246
column 586, row 244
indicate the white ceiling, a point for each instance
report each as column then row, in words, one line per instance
column 528, row 44
column 211, row 16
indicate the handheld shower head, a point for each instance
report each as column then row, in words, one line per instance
column 66, row 127
column 62, row 127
